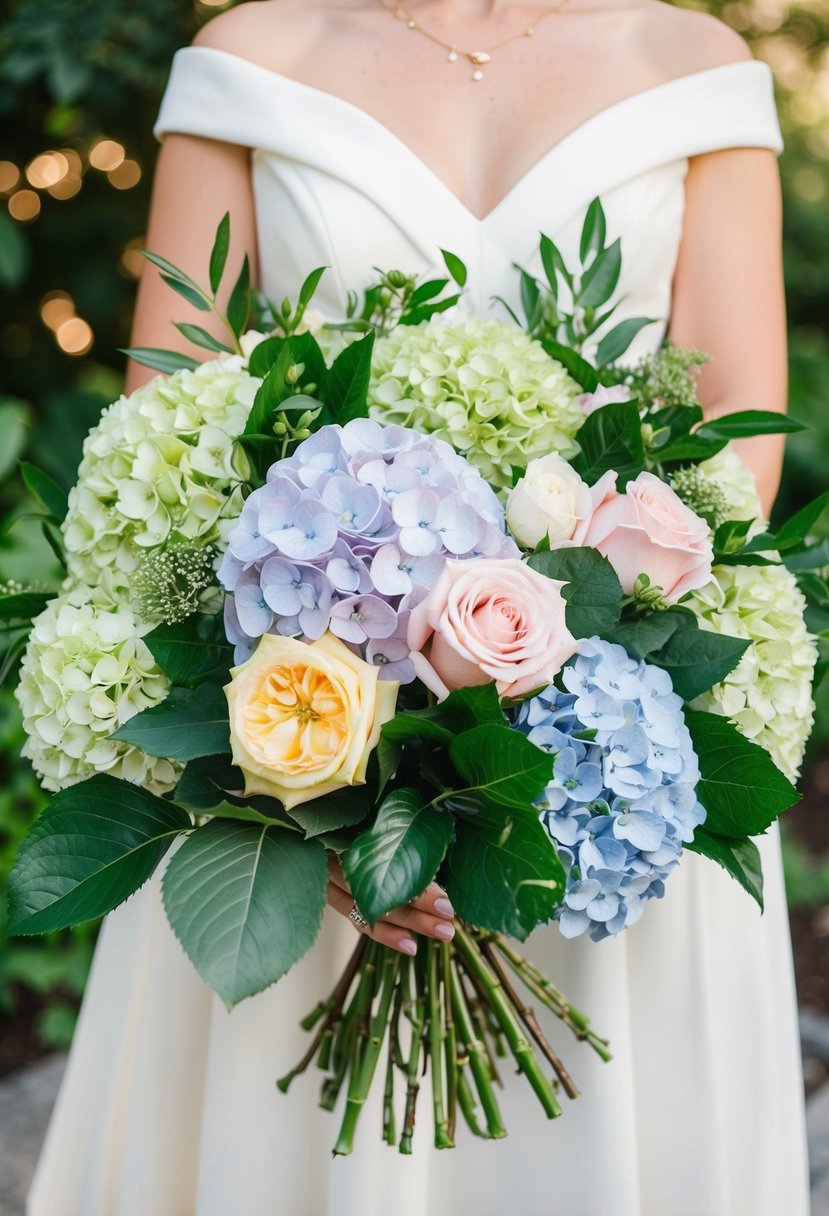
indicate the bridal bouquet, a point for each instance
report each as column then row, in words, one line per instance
column 447, row 597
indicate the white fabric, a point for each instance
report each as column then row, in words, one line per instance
column 168, row 1107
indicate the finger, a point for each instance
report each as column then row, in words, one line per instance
column 433, row 900
column 335, row 872
column 409, row 917
column 384, row 932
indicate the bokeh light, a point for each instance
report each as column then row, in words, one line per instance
column 126, row 175
column 74, row 336
column 46, row 170
column 132, row 260
column 24, row 206
column 9, row 176
column 106, row 155
column 55, row 308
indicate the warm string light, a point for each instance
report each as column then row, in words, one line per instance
column 72, row 333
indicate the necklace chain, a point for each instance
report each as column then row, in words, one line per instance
column 478, row 59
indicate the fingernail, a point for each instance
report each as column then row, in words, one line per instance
column 444, row 908
column 447, row 932
column 408, row 945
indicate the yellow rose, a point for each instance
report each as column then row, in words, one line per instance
column 304, row 717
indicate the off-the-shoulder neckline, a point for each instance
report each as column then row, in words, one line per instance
column 648, row 96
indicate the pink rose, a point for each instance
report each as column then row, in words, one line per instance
column 649, row 530
column 603, row 395
column 490, row 620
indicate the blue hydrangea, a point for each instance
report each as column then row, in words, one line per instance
column 349, row 533
column 622, row 801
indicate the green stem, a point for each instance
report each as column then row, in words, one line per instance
column 436, row 1047
column 520, row 1046
column 549, row 995
column 418, row 1020
column 478, row 1059
column 389, row 1131
column 363, row 1072
column 346, row 1042
column 451, row 1043
column 466, row 1101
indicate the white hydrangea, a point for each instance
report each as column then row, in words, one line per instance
column 161, row 466
column 769, row 693
column 85, row 672
column 486, row 387
column 737, row 482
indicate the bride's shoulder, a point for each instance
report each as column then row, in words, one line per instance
column 273, row 33
column 679, row 41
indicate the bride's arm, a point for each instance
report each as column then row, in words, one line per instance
column 728, row 295
column 196, row 181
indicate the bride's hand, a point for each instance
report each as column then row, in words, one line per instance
column 431, row 913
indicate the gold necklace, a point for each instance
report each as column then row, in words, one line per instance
column 478, row 59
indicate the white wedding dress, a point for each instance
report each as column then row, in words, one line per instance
column 168, row 1107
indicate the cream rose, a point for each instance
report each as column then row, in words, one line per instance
column 304, row 717
column 649, row 530
column 490, row 620
column 549, row 500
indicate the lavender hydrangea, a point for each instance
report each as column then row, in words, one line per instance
column 349, row 533
column 622, row 801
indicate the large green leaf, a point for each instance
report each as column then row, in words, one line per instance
column 582, row 372
column 744, row 423
column 593, row 592
column 741, row 787
column 617, row 340
column 642, row 634
column 599, row 281
column 501, row 765
column 611, row 438
column 14, row 431
column 45, row 490
column 188, row 723
column 740, row 857
column 94, row 845
column 246, row 903
column 348, row 380
column 23, row 605
column 207, row 781
column 191, row 649
column 218, row 254
column 695, row 659
column 503, row 872
column 343, row 809
column 158, row 359
column 397, row 858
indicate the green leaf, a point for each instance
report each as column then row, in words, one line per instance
column 582, row 372
column 207, row 781
column 592, row 591
column 799, row 525
column 468, row 707
column 218, row 254
column 348, row 380
column 600, row 280
column 188, row 723
column 643, row 634
column 397, row 858
column 94, row 845
column 309, row 286
column 739, row 856
column 343, row 809
column 246, row 903
column 744, row 423
column 611, row 438
column 264, row 356
column 501, row 766
column 455, row 266
column 503, row 873
column 14, row 253
column 14, row 431
column 193, row 295
column 530, row 299
column 731, row 535
column 200, row 337
column 243, row 813
column 741, row 788
column 617, row 340
column 427, row 291
column 190, row 650
column 160, row 360
column 554, row 264
column 414, row 316
column 405, row 727
column 273, row 390
column 23, row 605
column 696, row 659
column 238, row 306
column 173, row 271
column 45, row 490
column 594, row 230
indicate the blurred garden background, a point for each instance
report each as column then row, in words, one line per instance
column 80, row 85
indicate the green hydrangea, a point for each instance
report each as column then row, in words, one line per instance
column 720, row 488
column 85, row 672
column 486, row 387
column 769, row 693
column 161, row 467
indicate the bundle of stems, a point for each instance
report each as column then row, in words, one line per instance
column 454, row 1010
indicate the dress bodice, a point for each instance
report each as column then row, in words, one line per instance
column 333, row 186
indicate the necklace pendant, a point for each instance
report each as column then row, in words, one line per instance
column 452, row 56
column 479, row 58
column 477, row 74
